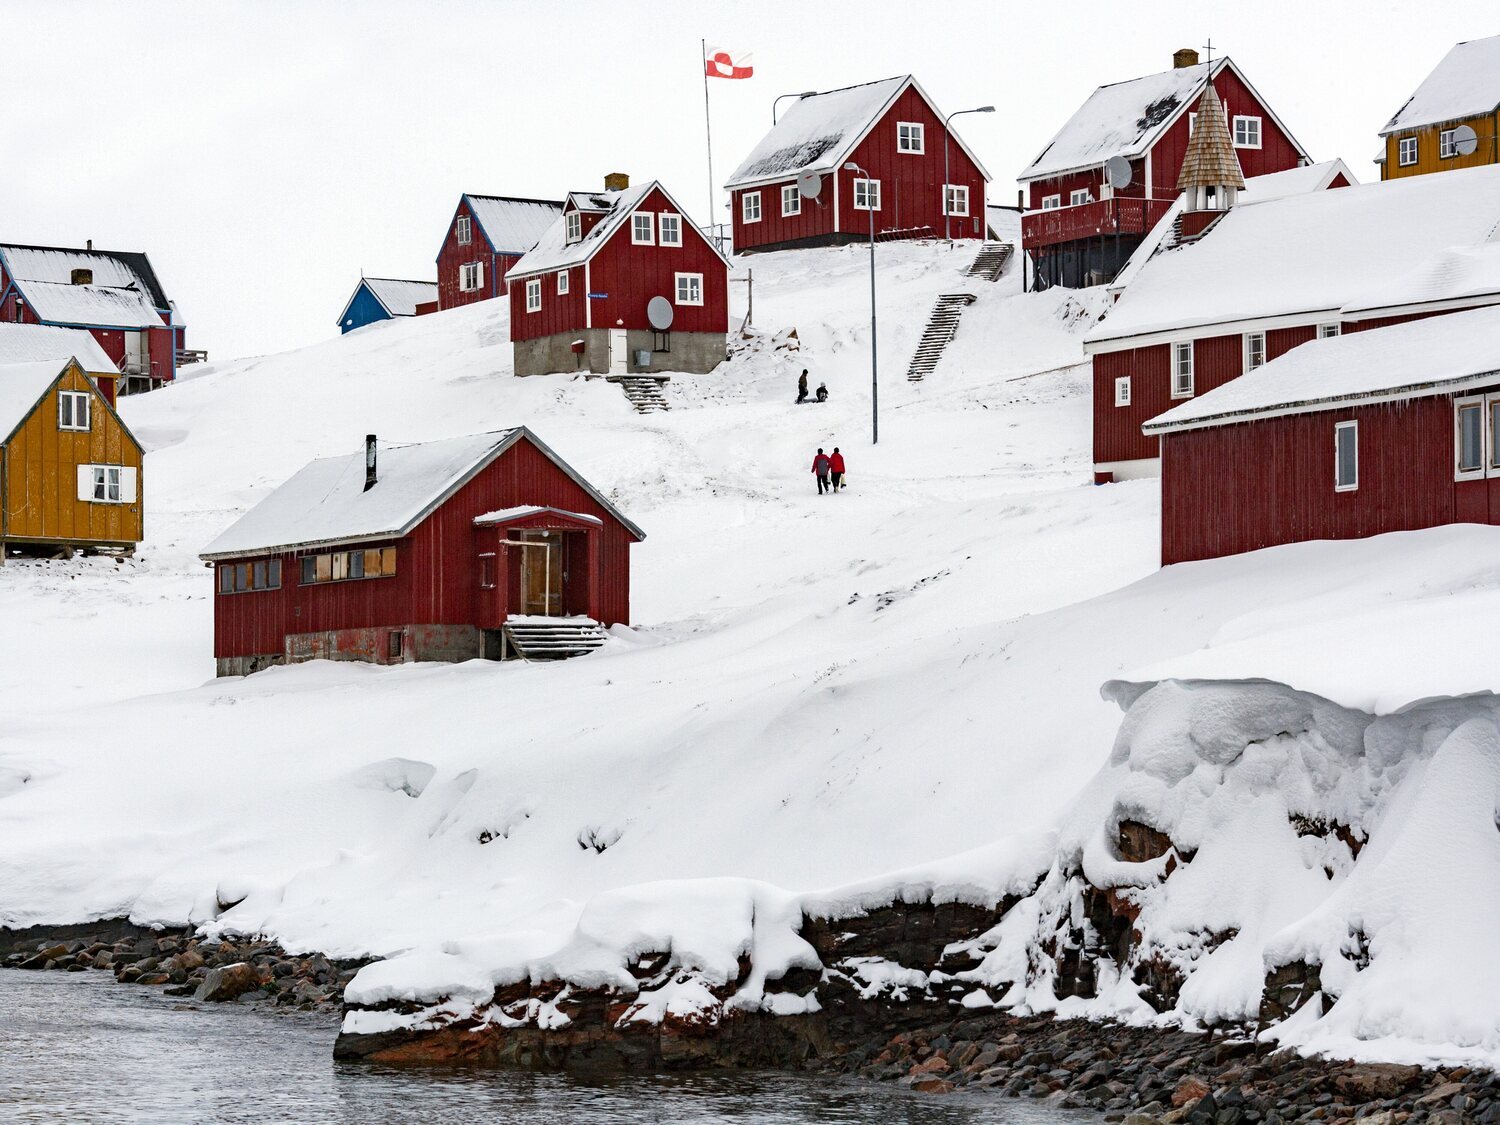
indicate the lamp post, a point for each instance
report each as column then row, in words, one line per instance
column 874, row 368
column 947, row 218
column 779, row 97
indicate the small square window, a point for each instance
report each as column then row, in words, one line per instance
column 866, row 195
column 911, row 136
column 562, row 282
column 956, row 199
column 534, row 294
column 465, row 230
column 791, row 200
column 1406, row 151
column 1327, row 331
column 643, row 228
column 471, row 276
column 690, row 289
column 1078, row 197
column 1346, row 456
column 1122, row 390
column 73, row 410
column 309, row 569
column 1051, row 202
column 1246, row 132
column 1446, row 146
column 669, row 228
column 750, row 207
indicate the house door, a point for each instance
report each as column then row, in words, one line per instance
column 136, row 360
column 542, row 573
column 619, row 353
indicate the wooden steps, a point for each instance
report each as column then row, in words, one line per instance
column 942, row 326
column 989, row 263
column 644, row 392
column 552, row 638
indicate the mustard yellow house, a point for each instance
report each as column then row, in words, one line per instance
column 1453, row 119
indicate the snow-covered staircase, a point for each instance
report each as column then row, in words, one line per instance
column 644, row 392
column 989, row 263
column 552, row 638
column 942, row 325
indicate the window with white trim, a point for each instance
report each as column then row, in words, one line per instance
column 643, row 228
column 1469, row 439
column 750, row 207
column 470, row 276
column 1051, row 202
column 1446, row 145
column 533, row 294
column 573, row 226
column 1122, row 390
column 465, row 230
column 1345, row 456
column 866, row 195
column 1246, row 131
column 1255, row 350
column 669, row 229
column 562, row 282
column 1328, row 331
column 911, row 136
column 690, row 289
column 107, row 484
column 791, row 200
column 1192, row 122
column 73, row 410
column 1182, row 369
column 1406, row 151
column 1078, row 196
column 956, row 199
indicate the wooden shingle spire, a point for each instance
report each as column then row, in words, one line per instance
column 1210, row 160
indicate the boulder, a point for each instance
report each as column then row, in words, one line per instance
column 1372, row 1081
column 932, row 1085
column 1189, row 1090
column 228, row 982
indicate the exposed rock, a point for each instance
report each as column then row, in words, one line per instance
column 1377, row 1080
column 228, row 982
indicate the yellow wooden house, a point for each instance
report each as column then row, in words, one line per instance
column 1453, row 119
column 70, row 469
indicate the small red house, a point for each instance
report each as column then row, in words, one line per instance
column 1079, row 228
column 1392, row 429
column 479, row 546
column 486, row 237
column 919, row 177
column 581, row 299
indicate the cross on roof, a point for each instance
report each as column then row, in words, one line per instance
column 1209, row 50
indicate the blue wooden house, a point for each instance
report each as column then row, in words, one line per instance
column 381, row 298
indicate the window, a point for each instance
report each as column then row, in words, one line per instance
column 867, row 195
column 1246, row 132
column 487, row 572
column 106, row 484
column 562, row 282
column 1182, row 369
column 344, row 566
column 791, row 200
column 573, row 225
column 1406, row 151
column 1051, row 202
column 1122, row 391
column 72, row 410
column 669, row 229
column 910, row 137
column 956, row 199
column 1192, row 123
column 1494, row 434
column 690, row 289
column 238, row 578
column 1346, row 457
column 1446, row 147
column 750, row 207
column 1255, row 350
column 534, row 294
column 643, row 228
column 1081, row 195
column 1469, row 438
column 465, row 230
column 470, row 276
column 1327, row 331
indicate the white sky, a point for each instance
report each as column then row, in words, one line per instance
column 263, row 153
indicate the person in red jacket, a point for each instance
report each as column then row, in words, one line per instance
column 820, row 470
column 836, row 469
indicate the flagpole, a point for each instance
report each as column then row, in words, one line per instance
column 708, row 130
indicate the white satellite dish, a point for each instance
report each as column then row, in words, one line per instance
column 1117, row 171
column 1465, row 140
column 659, row 313
column 810, row 185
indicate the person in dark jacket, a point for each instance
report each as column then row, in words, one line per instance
column 802, row 388
column 820, row 470
column 822, row 392
column 836, row 470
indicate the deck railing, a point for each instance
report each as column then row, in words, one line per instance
column 1120, row 215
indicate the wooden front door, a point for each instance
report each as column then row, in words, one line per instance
column 542, row 573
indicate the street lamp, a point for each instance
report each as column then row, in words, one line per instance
column 947, row 218
column 779, row 97
column 874, row 369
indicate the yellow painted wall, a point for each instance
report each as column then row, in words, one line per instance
column 41, row 474
column 1486, row 127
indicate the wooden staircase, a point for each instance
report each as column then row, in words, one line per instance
column 551, row 638
column 942, row 325
column 644, row 392
column 989, row 263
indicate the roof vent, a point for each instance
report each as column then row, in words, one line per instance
column 1184, row 56
column 616, row 181
column 370, row 477
column 83, row 276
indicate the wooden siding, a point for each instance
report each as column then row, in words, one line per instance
column 41, row 474
column 452, row 257
column 1486, row 128
column 559, row 313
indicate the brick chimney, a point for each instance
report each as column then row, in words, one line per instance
column 83, row 276
column 1184, row 56
column 616, row 181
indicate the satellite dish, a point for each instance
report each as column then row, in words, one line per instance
column 1465, row 140
column 810, row 185
column 1117, row 171
column 659, row 313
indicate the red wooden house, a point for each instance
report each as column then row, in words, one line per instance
column 1268, row 276
column 580, row 300
column 919, row 177
column 115, row 295
column 478, row 546
column 1392, row 429
column 1079, row 228
column 486, row 237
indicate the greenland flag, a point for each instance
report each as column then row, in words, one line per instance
column 727, row 64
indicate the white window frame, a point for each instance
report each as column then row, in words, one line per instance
column 108, row 486
column 1339, row 429
column 750, row 207
column 71, row 405
column 693, row 280
column 1329, row 331
column 1122, row 390
column 471, row 277
column 533, row 294
column 1252, row 126
column 1192, row 122
column 643, row 228
column 1471, row 402
column 1079, row 196
column 465, row 227
column 562, row 283
column 664, row 221
column 1446, row 148
column 1181, row 348
column 870, row 189
column 1401, row 151
column 956, row 200
column 573, row 227
column 1252, row 339
column 791, row 201
column 911, row 138
column 1051, row 202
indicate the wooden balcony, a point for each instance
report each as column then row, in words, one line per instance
column 1121, row 215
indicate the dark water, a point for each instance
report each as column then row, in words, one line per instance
column 79, row 1047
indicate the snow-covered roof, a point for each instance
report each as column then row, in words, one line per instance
column 21, row 384
column 512, row 226
column 30, row 343
column 589, row 200
column 1465, row 83
column 97, row 305
column 325, row 502
column 1302, row 254
column 523, row 511
column 1005, row 222
column 1436, row 355
column 1464, row 274
column 397, row 297
column 112, row 269
column 820, row 131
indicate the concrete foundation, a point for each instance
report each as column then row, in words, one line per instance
column 692, row 352
column 395, row 644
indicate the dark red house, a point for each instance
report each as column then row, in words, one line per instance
column 919, row 177
column 478, row 546
column 1268, row 276
column 580, row 300
column 486, row 237
column 1392, row 429
column 1079, row 229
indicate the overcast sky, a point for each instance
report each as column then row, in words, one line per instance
column 263, row 153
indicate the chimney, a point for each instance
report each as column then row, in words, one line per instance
column 89, row 245
column 370, row 477
column 616, row 181
column 1184, row 56
column 83, row 276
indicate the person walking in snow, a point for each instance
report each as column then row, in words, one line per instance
column 822, row 392
column 836, row 470
column 802, row 388
column 820, row 470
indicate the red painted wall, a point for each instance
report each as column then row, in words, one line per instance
column 452, row 256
